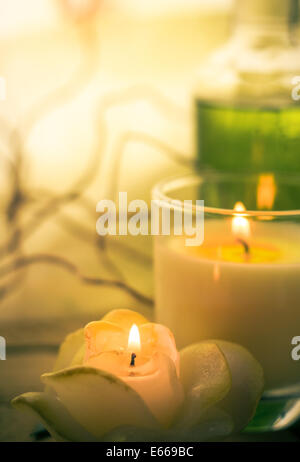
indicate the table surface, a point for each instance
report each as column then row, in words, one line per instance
column 20, row 373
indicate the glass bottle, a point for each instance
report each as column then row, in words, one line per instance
column 247, row 107
column 247, row 100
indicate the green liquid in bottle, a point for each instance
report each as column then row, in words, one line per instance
column 247, row 139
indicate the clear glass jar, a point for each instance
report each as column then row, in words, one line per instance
column 247, row 109
column 242, row 283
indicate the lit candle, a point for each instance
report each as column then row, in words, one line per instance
column 240, row 227
column 241, row 285
column 134, row 343
column 238, row 245
column 86, row 397
column 144, row 357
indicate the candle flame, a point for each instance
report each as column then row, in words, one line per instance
column 216, row 272
column 240, row 224
column 134, row 339
column 266, row 191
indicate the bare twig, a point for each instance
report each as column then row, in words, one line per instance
column 55, row 203
column 26, row 261
column 149, row 140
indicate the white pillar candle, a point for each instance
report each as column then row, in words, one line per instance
column 219, row 291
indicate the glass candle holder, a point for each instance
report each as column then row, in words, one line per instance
column 242, row 284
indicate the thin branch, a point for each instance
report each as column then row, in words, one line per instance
column 26, row 261
column 36, row 220
column 52, row 206
column 148, row 94
column 149, row 140
column 86, row 235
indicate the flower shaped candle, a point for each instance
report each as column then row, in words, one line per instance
column 122, row 379
column 141, row 354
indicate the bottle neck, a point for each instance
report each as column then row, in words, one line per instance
column 266, row 20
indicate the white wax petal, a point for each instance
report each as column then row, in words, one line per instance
column 161, row 391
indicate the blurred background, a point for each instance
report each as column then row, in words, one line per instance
column 97, row 100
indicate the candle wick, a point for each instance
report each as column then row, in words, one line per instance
column 245, row 245
column 132, row 362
